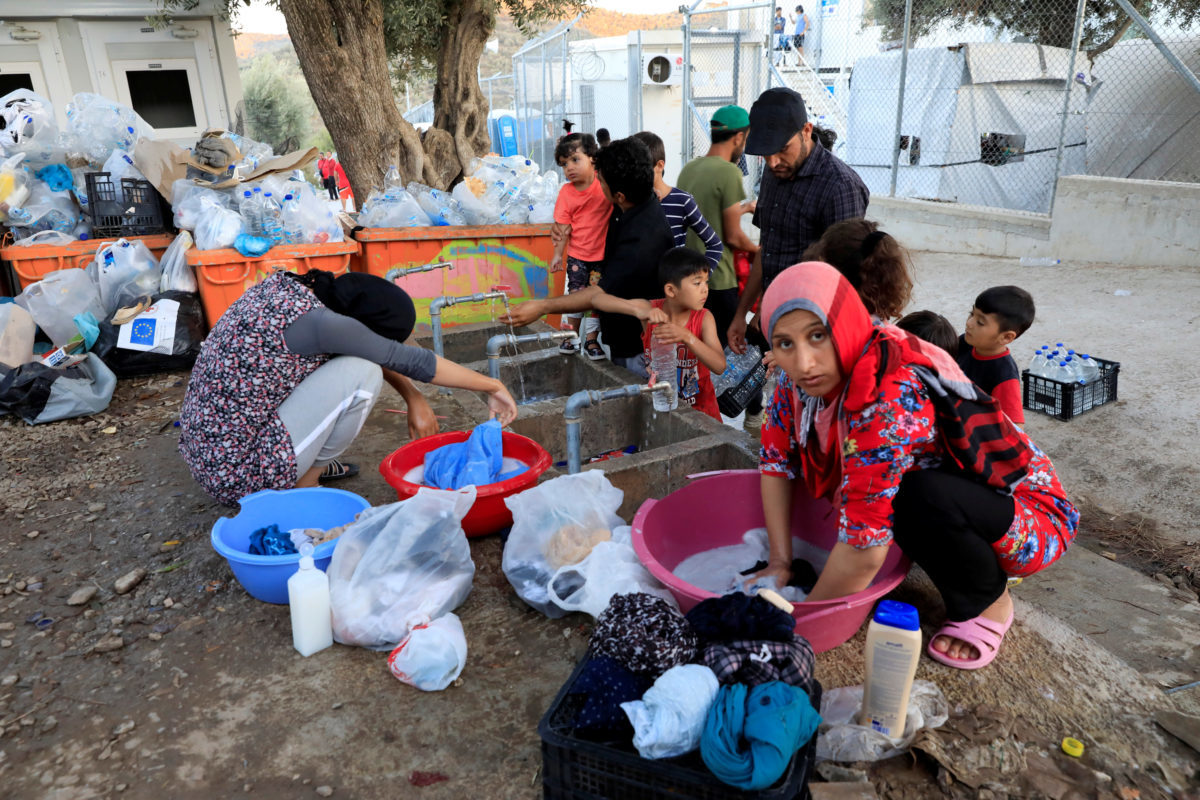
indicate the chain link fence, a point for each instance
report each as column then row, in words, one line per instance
column 974, row 110
column 541, row 78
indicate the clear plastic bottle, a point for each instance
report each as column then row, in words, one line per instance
column 1039, row 261
column 1038, row 361
column 293, row 224
column 272, row 218
column 663, row 367
column 308, row 601
column 251, row 213
column 1089, row 369
column 393, row 184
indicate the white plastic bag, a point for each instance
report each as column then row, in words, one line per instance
column 586, row 501
column 53, row 238
column 217, row 226
column 16, row 335
column 126, row 271
column 30, row 128
column 56, row 299
column 611, row 568
column 399, row 566
column 432, row 656
column 841, row 738
column 177, row 275
column 189, row 200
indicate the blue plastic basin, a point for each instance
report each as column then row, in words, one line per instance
column 265, row 577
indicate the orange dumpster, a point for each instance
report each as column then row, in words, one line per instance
column 36, row 261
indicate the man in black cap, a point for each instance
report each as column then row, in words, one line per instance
column 805, row 189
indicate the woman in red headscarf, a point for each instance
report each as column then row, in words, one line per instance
column 910, row 452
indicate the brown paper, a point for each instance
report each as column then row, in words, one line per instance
column 164, row 162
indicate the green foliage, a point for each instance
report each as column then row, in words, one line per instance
column 278, row 106
column 1048, row 22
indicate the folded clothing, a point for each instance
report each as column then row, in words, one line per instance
column 757, row 662
column 751, row 734
column 738, row 616
column 645, row 634
column 604, row 685
column 669, row 719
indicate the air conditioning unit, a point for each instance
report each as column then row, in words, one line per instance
column 662, row 69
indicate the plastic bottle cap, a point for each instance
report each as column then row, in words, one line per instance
column 1072, row 747
column 898, row 615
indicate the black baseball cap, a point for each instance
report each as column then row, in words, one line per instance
column 776, row 116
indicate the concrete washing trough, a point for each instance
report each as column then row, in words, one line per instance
column 466, row 344
column 551, row 375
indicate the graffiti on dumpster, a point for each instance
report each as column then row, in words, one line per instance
column 479, row 264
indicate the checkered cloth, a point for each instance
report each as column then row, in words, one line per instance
column 756, row 662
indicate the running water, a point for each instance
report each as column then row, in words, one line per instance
column 512, row 342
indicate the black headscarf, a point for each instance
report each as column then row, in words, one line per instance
column 382, row 306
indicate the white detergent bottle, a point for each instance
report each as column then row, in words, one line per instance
column 893, row 649
column 308, row 597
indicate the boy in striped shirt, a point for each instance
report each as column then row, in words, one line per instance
column 679, row 206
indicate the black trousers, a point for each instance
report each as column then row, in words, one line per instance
column 947, row 523
column 723, row 304
column 331, row 187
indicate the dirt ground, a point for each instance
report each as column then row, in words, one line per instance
column 187, row 687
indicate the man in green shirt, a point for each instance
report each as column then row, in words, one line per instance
column 715, row 181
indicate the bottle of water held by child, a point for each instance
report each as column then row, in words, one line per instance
column 308, row 597
column 893, row 649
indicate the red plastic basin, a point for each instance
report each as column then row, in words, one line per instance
column 715, row 510
column 489, row 514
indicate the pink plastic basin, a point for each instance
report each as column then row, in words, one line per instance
column 714, row 510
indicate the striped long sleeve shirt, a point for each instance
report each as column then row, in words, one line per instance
column 683, row 213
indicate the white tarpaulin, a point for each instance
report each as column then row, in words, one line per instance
column 980, row 123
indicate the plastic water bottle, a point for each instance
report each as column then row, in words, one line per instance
column 1039, row 261
column 1089, row 369
column 293, row 225
column 1038, row 362
column 308, row 601
column 251, row 215
column 663, row 367
column 272, row 218
column 393, row 184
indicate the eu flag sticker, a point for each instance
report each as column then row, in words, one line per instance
column 143, row 331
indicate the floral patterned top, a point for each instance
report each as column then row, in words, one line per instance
column 897, row 434
column 231, row 436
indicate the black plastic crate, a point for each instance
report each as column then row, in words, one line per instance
column 1067, row 400
column 574, row 768
column 133, row 211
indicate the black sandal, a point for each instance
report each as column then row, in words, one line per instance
column 593, row 350
column 335, row 470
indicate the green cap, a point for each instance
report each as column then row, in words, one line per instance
column 730, row 118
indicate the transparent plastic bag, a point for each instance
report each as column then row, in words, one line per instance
column 96, row 126
column 52, row 238
column 56, row 299
column 586, row 501
column 177, row 275
column 217, row 226
column 45, row 210
column 30, row 128
column 611, row 568
column 400, row 211
column 317, row 220
column 399, row 566
column 126, row 272
column 841, row 738
column 188, row 200
column 120, row 166
column 14, row 185
column 475, row 210
column 432, row 656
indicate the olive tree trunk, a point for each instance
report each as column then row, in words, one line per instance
column 342, row 54
column 460, row 108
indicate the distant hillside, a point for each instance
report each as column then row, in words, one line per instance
column 600, row 22
column 249, row 45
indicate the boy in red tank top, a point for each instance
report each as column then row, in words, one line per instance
column 680, row 318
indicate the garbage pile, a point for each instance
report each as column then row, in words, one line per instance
column 496, row 191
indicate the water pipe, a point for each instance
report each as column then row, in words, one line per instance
column 501, row 340
column 400, row 272
column 435, row 312
column 591, row 397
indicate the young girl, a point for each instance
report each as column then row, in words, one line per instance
column 876, row 265
column 581, row 214
column 890, row 430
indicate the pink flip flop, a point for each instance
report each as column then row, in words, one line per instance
column 983, row 634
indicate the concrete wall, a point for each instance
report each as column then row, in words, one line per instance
column 1095, row 220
